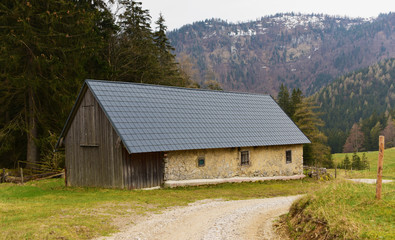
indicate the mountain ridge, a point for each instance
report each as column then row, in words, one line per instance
column 305, row 51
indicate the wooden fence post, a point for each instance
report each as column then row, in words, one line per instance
column 21, row 175
column 380, row 168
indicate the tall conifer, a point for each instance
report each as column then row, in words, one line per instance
column 44, row 48
column 167, row 60
column 283, row 99
column 295, row 100
column 309, row 122
column 135, row 51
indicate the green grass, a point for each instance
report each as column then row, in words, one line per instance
column 49, row 210
column 348, row 210
column 388, row 169
column 345, row 210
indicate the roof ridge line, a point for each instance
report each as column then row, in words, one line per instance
column 173, row 87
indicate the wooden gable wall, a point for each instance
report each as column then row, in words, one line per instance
column 93, row 148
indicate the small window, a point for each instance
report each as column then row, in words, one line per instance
column 288, row 156
column 245, row 157
column 201, row 162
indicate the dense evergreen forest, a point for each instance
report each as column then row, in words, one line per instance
column 47, row 50
column 361, row 103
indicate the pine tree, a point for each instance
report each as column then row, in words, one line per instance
column 170, row 70
column 296, row 99
column 309, row 122
column 162, row 42
column 356, row 162
column 346, row 162
column 135, row 54
column 45, row 46
column 283, row 99
column 166, row 58
column 364, row 162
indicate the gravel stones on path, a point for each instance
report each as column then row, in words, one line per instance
column 212, row 219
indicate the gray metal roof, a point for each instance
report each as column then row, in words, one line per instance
column 152, row 118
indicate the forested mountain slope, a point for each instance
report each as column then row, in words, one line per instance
column 305, row 51
column 365, row 94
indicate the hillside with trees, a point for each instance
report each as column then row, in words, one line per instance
column 297, row 50
column 358, row 107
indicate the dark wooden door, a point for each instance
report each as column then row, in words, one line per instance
column 145, row 170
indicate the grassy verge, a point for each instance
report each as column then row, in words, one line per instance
column 347, row 210
column 388, row 170
column 49, row 210
column 344, row 210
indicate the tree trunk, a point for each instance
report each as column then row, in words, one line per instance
column 32, row 150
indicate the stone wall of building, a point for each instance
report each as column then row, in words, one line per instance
column 226, row 162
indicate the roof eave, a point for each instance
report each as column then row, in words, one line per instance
column 308, row 139
column 71, row 116
column 107, row 116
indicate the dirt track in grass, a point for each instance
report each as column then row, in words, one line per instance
column 212, row 219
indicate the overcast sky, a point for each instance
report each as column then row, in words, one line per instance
column 180, row 12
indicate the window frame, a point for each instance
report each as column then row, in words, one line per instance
column 199, row 159
column 288, row 156
column 242, row 161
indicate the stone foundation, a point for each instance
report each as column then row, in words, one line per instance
column 198, row 182
column 226, row 163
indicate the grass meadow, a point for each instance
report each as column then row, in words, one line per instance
column 48, row 210
column 348, row 210
column 388, row 166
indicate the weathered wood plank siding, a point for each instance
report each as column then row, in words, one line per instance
column 93, row 149
column 143, row 170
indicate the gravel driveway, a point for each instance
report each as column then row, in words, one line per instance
column 370, row 181
column 212, row 219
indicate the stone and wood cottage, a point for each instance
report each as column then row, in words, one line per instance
column 129, row 135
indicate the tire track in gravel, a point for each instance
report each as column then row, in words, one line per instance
column 212, row 219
